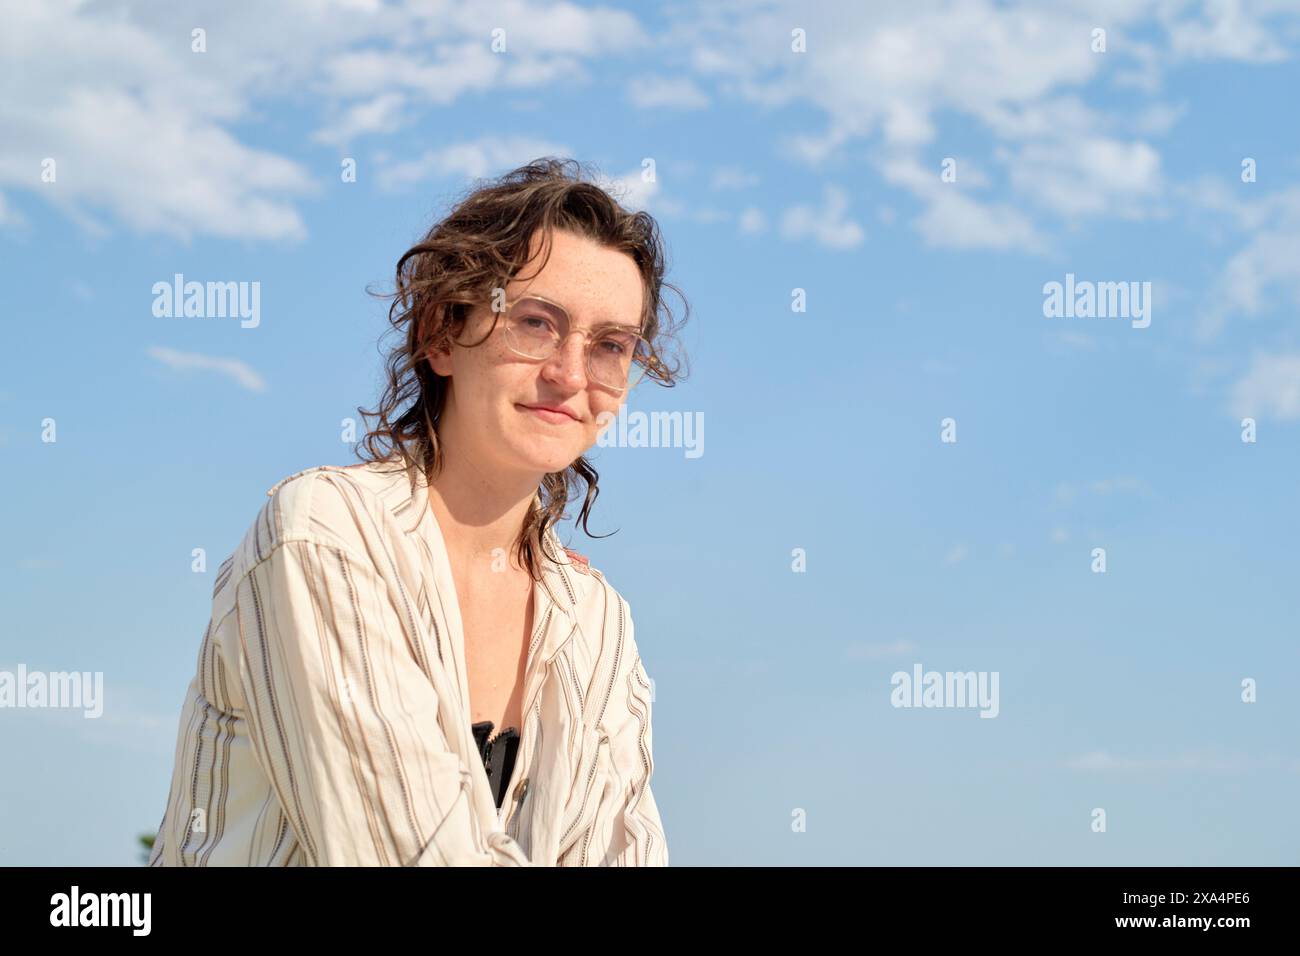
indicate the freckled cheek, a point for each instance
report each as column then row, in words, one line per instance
column 508, row 379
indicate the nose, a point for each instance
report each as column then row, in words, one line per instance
column 568, row 366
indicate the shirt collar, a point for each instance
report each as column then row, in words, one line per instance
column 408, row 500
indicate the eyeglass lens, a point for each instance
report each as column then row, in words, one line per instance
column 615, row 357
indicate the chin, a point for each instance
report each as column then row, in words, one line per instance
column 546, row 457
column 546, row 448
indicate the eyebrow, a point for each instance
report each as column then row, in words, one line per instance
column 552, row 306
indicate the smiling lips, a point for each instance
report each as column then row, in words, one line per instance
column 551, row 413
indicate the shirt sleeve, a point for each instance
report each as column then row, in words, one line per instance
column 628, row 829
column 345, row 722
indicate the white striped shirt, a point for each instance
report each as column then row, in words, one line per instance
column 328, row 722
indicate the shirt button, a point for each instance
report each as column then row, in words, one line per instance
column 521, row 788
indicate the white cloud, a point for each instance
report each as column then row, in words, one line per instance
column 892, row 74
column 437, row 53
column 134, row 131
column 1270, row 388
column 1227, row 31
column 827, row 226
column 144, row 130
column 474, row 159
column 137, row 123
column 234, row 369
column 158, row 170
column 1269, row 262
column 8, row 216
column 368, row 73
column 655, row 92
column 888, row 71
column 1066, row 492
column 953, row 219
column 958, row 221
column 752, row 222
column 1158, row 119
column 148, row 133
column 692, row 211
column 1091, row 175
column 382, row 114
column 536, row 29
column 631, row 189
column 733, row 177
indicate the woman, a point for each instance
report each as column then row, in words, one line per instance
column 380, row 619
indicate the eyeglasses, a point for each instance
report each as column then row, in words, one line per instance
column 618, row 356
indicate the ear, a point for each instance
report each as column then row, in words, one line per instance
column 439, row 358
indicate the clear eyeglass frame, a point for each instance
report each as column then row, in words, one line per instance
column 643, row 360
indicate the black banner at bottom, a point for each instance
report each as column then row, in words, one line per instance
column 336, row 905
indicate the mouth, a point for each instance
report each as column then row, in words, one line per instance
column 549, row 413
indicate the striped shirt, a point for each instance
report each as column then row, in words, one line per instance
column 328, row 719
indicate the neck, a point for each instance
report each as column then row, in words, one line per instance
column 479, row 509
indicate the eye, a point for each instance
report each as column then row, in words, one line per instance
column 533, row 321
column 619, row 344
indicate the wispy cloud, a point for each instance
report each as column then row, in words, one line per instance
column 1270, row 388
column 662, row 92
column 828, row 225
column 953, row 218
column 383, row 113
column 1266, row 271
column 891, row 76
column 632, row 189
column 234, row 369
column 1067, row 492
column 733, row 177
column 752, row 222
column 142, row 119
column 474, row 159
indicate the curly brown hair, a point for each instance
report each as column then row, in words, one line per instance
column 479, row 246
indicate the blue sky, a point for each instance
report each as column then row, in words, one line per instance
column 773, row 171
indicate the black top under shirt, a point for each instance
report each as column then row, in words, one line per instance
column 498, row 755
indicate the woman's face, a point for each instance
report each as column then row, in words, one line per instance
column 486, row 414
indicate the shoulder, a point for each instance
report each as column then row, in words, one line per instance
column 581, row 564
column 321, row 502
column 345, row 506
column 588, row 584
column 377, row 479
column 604, row 613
